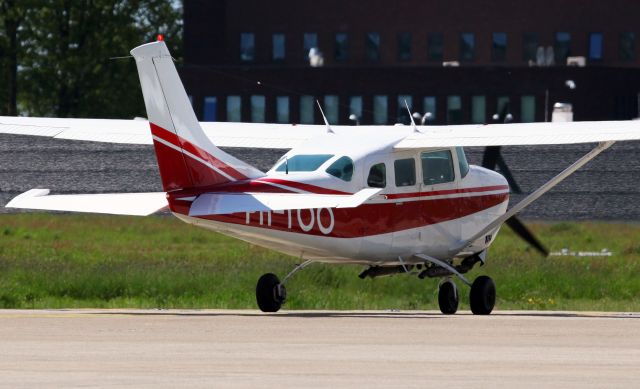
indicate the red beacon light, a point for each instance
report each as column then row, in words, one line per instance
column 160, row 38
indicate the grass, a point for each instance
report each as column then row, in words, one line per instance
column 72, row 261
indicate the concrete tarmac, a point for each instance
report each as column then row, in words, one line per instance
column 364, row 349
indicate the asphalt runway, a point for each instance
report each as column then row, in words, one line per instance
column 366, row 349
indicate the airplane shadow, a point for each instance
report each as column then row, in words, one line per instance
column 369, row 314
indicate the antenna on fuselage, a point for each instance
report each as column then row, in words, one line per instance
column 329, row 130
column 413, row 122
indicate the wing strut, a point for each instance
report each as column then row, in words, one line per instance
column 602, row 146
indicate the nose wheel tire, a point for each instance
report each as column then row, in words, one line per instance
column 270, row 293
column 448, row 297
column 483, row 296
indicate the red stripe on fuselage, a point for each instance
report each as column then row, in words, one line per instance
column 178, row 141
column 302, row 186
column 369, row 219
column 447, row 192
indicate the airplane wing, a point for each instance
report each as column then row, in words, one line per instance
column 253, row 135
column 226, row 203
column 287, row 136
column 521, row 134
column 135, row 204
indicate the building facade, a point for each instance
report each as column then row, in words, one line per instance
column 460, row 61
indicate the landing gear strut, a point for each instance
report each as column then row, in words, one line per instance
column 271, row 293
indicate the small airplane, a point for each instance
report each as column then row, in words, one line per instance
column 396, row 199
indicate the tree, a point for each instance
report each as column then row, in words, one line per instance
column 11, row 19
column 76, row 55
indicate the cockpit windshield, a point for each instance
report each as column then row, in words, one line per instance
column 303, row 163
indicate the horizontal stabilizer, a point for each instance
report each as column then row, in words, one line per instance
column 226, row 203
column 135, row 204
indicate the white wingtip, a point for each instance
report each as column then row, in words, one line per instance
column 19, row 200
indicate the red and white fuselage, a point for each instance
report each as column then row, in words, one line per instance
column 399, row 221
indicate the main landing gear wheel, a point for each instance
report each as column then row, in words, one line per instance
column 448, row 297
column 482, row 296
column 270, row 293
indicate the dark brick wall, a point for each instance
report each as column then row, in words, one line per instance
column 212, row 28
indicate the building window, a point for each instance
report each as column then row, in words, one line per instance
column 595, row 46
column 528, row 109
column 503, row 106
column 380, row 109
column 257, row 109
column 562, row 47
column 478, row 109
column 467, row 46
column 247, row 46
column 529, row 47
column 310, row 41
column 234, row 109
column 282, row 109
column 331, row 108
column 404, row 46
column 341, row 46
column 454, row 110
column 355, row 107
column 210, row 111
column 435, row 47
column 278, row 42
column 307, row 110
column 373, row 46
column 627, row 46
column 499, row 46
column 403, row 115
column 429, row 107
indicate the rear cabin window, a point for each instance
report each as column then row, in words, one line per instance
column 437, row 167
column 303, row 163
column 342, row 169
column 462, row 162
column 377, row 176
column 405, row 170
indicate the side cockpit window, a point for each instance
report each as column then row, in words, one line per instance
column 303, row 163
column 342, row 169
column 405, row 170
column 462, row 162
column 437, row 167
column 377, row 176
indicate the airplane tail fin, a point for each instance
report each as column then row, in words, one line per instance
column 186, row 157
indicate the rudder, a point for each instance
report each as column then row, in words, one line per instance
column 186, row 157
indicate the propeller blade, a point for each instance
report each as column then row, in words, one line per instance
column 521, row 230
column 490, row 157
column 504, row 169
